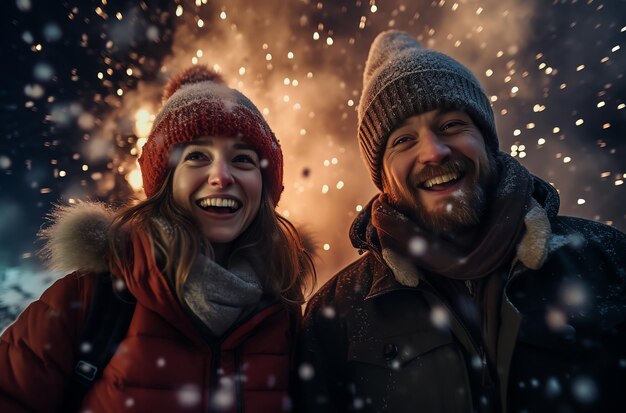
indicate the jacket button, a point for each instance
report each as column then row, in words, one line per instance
column 390, row 351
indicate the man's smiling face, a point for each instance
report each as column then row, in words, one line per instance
column 437, row 169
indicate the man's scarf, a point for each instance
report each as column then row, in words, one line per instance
column 501, row 229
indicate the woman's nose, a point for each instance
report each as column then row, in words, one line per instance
column 432, row 150
column 220, row 175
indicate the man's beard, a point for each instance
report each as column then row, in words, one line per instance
column 464, row 209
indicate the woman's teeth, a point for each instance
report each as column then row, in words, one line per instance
column 218, row 202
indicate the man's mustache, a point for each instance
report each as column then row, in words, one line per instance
column 459, row 166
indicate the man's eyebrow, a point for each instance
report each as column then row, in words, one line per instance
column 445, row 111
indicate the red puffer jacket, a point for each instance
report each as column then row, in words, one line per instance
column 163, row 364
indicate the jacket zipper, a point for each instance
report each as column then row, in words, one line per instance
column 478, row 348
column 215, row 361
column 238, row 382
column 213, row 380
column 470, row 287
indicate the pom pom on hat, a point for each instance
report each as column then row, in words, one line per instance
column 194, row 74
column 198, row 103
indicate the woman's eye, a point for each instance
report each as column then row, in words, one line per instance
column 244, row 159
column 195, row 156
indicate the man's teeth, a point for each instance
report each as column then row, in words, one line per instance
column 442, row 179
column 219, row 202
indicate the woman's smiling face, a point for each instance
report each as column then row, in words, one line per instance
column 218, row 180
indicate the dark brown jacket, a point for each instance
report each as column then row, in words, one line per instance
column 369, row 344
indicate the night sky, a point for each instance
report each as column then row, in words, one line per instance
column 82, row 80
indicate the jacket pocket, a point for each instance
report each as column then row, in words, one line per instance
column 396, row 351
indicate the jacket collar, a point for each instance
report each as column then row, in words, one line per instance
column 391, row 271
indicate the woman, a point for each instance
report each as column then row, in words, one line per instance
column 216, row 273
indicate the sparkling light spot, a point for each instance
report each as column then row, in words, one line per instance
column 189, row 395
column 580, row 201
column 179, row 10
column 306, row 371
column 439, row 317
column 324, row 189
column 223, row 15
column 579, row 122
column 417, row 246
column 326, row 247
column 200, row 23
column 329, row 41
column 134, row 179
column 340, row 184
column 585, row 390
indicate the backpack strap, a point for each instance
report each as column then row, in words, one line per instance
column 106, row 324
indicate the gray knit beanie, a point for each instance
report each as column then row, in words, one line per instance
column 402, row 79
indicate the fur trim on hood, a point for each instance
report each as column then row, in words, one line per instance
column 76, row 237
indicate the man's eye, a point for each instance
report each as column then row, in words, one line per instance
column 196, row 156
column 452, row 124
column 402, row 139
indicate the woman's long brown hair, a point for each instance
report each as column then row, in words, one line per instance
column 288, row 268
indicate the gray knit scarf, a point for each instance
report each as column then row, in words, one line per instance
column 218, row 296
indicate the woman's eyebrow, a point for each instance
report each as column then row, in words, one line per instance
column 244, row 145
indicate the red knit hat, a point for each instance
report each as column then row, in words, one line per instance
column 197, row 103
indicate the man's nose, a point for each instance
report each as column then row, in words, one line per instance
column 220, row 174
column 432, row 150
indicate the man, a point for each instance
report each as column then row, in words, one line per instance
column 472, row 294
